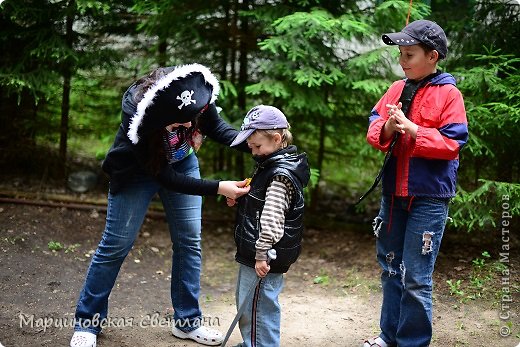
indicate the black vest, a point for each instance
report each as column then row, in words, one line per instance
column 295, row 167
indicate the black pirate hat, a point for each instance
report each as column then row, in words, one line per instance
column 178, row 97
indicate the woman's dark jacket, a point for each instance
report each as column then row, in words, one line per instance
column 125, row 159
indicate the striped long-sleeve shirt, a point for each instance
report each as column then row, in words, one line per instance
column 277, row 200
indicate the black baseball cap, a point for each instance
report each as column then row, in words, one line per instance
column 420, row 31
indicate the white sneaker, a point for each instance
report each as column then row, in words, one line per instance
column 83, row 339
column 375, row 342
column 202, row 335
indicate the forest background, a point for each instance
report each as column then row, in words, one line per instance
column 65, row 65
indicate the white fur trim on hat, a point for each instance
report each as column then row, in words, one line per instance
column 177, row 73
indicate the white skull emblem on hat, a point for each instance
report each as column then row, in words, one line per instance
column 186, row 99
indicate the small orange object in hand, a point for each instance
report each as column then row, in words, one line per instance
column 248, row 181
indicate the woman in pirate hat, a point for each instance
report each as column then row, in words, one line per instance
column 164, row 116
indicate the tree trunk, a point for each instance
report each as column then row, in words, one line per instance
column 321, row 156
column 505, row 170
column 243, row 50
column 226, row 157
column 220, row 157
column 242, row 77
column 65, row 101
column 161, row 52
column 225, row 49
column 64, row 127
column 233, row 44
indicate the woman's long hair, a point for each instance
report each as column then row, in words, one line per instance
column 155, row 150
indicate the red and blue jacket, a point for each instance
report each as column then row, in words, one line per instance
column 425, row 166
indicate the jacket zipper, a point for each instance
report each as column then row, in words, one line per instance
column 404, row 143
column 402, row 164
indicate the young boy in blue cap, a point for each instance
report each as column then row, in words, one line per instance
column 421, row 121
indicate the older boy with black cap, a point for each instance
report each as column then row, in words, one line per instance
column 269, row 217
column 421, row 123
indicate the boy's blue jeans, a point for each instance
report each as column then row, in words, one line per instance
column 265, row 312
column 125, row 214
column 409, row 233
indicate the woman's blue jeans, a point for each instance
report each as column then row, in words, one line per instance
column 125, row 214
column 409, row 233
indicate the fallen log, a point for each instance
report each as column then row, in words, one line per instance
column 68, row 202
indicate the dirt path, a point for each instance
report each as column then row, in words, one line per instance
column 40, row 287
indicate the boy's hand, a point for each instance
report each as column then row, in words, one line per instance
column 261, row 268
column 230, row 202
column 397, row 121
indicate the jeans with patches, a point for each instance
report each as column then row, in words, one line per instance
column 125, row 214
column 409, row 232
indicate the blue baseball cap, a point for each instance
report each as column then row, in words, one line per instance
column 260, row 117
column 420, row 31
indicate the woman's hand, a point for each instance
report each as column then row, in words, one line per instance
column 233, row 189
column 262, row 268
